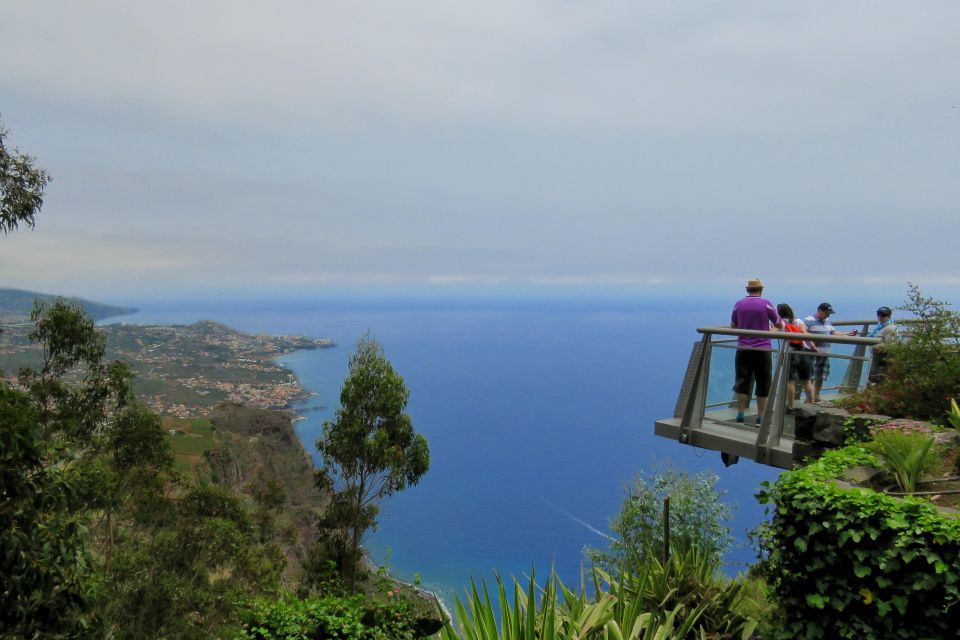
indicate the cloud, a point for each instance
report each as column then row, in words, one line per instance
column 618, row 280
column 697, row 67
column 542, row 144
column 466, row 279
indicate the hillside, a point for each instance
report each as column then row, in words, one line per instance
column 245, row 447
column 184, row 370
column 16, row 304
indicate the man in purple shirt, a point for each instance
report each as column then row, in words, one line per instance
column 754, row 361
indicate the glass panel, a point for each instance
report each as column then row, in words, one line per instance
column 721, row 401
column 839, row 367
column 722, row 375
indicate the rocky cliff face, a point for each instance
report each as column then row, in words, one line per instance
column 259, row 445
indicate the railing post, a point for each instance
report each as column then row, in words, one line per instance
column 851, row 379
column 696, row 401
column 771, row 425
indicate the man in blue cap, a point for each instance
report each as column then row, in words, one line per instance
column 819, row 323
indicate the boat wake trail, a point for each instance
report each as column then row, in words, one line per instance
column 579, row 521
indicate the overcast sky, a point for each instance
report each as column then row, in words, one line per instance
column 309, row 146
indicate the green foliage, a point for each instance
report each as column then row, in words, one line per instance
column 76, row 391
column 98, row 538
column 370, row 451
column 138, row 442
column 44, row 580
column 852, row 563
column 698, row 520
column 54, row 473
column 269, row 500
column 181, row 574
column 924, row 370
column 691, row 584
column 341, row 617
column 907, row 453
column 617, row 608
column 833, row 462
column 856, row 429
column 21, row 187
column 953, row 415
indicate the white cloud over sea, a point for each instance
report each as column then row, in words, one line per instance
column 311, row 144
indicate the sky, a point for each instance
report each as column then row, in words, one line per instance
column 298, row 147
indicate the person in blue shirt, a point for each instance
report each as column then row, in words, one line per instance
column 887, row 330
column 819, row 323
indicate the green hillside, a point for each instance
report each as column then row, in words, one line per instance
column 15, row 305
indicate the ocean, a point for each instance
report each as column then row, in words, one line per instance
column 538, row 415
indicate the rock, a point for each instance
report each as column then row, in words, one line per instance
column 907, row 423
column 805, row 451
column 828, row 426
column 951, row 437
column 804, row 417
column 859, row 426
column 864, row 476
column 428, row 615
column 426, row 627
column 867, row 420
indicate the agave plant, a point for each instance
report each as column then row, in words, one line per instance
column 618, row 609
column 953, row 416
column 907, row 453
column 691, row 583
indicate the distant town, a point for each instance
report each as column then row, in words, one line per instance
column 183, row 370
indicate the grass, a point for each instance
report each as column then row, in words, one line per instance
column 192, row 437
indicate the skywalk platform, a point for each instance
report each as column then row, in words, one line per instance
column 705, row 413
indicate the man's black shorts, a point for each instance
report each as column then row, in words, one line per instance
column 753, row 366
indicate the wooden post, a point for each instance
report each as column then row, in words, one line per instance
column 666, row 530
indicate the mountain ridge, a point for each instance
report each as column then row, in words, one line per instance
column 16, row 305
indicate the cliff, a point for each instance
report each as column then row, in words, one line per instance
column 255, row 446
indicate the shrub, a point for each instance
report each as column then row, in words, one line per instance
column 907, row 452
column 924, row 370
column 690, row 584
column 341, row 617
column 698, row 520
column 617, row 608
column 852, row 563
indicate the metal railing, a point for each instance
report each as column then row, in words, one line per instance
column 708, row 422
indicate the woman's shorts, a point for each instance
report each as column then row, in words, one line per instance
column 801, row 366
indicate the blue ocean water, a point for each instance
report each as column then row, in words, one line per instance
column 538, row 414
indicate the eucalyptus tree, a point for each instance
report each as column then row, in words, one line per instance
column 21, row 187
column 55, row 424
column 370, row 451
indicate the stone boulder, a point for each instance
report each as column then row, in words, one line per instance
column 865, row 477
column 804, row 450
column 828, row 426
column 860, row 423
column 804, row 418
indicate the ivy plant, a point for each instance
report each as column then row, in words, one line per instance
column 852, row 563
